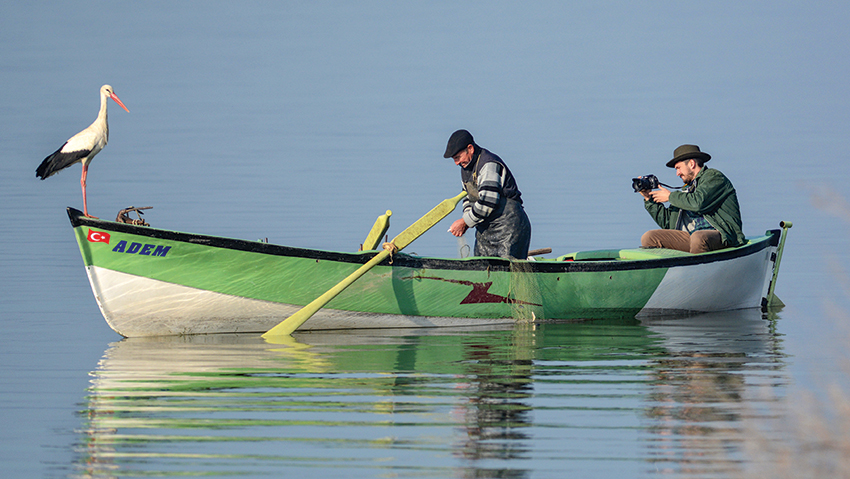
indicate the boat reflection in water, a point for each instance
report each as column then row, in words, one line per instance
column 721, row 371
column 604, row 397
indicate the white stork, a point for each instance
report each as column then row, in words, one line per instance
column 82, row 147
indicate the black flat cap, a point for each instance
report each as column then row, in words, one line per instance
column 458, row 141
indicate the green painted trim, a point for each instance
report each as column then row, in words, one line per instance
column 384, row 289
column 598, row 284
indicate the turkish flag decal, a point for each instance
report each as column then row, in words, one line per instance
column 98, row 237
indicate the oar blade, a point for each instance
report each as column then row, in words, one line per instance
column 290, row 324
column 425, row 223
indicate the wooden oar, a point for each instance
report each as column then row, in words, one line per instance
column 290, row 324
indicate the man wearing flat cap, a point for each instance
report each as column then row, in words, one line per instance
column 704, row 216
column 493, row 204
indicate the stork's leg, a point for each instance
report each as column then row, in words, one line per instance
column 83, row 185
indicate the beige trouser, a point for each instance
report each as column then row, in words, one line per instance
column 700, row 241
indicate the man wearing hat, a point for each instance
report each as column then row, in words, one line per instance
column 704, row 216
column 493, row 204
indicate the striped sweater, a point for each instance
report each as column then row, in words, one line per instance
column 493, row 180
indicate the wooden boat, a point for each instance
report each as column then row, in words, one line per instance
column 154, row 282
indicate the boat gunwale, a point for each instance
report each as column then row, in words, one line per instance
column 491, row 264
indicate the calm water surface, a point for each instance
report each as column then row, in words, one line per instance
column 598, row 399
column 302, row 122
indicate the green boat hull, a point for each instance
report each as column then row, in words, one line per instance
column 152, row 282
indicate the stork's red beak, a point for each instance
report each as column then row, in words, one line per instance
column 117, row 100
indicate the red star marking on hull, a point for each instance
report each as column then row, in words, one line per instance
column 480, row 292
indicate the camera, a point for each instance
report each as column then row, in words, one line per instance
column 648, row 182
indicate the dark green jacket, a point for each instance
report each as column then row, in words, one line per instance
column 713, row 197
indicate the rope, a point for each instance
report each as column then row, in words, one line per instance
column 392, row 248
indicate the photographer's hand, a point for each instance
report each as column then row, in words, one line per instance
column 645, row 194
column 660, row 196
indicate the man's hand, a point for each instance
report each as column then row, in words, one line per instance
column 458, row 228
column 660, row 196
column 645, row 193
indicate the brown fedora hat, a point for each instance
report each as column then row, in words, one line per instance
column 686, row 152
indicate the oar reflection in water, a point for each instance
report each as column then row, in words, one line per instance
column 514, row 401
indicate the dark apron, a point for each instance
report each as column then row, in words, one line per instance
column 506, row 233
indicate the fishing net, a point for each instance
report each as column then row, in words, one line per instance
column 526, row 298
